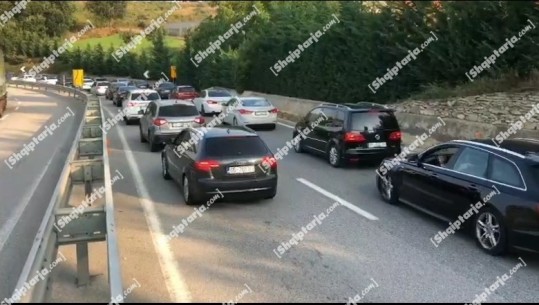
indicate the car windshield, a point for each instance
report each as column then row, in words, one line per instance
column 375, row 120
column 167, row 86
column 255, row 103
column 235, row 146
column 219, row 94
column 178, row 110
column 186, row 89
column 145, row 96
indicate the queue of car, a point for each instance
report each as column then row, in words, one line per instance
column 495, row 187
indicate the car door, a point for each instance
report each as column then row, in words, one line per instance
column 146, row 117
column 311, row 141
column 321, row 132
column 175, row 156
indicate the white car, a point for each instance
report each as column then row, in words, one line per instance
column 135, row 103
column 87, row 85
column 48, row 80
column 26, row 78
column 99, row 87
column 250, row 111
column 211, row 101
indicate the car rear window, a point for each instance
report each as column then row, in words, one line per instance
column 235, row 146
column 152, row 96
column 255, row 103
column 167, row 85
column 178, row 110
column 186, row 89
column 374, row 120
column 219, row 94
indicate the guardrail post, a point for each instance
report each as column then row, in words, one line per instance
column 83, row 264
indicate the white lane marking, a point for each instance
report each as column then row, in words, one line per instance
column 338, row 199
column 285, row 125
column 13, row 219
column 174, row 280
column 5, row 116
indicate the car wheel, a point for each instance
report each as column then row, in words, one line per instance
column 164, row 165
column 298, row 146
column 202, row 111
column 387, row 189
column 153, row 146
column 490, row 232
column 334, row 156
column 142, row 139
column 127, row 122
column 188, row 192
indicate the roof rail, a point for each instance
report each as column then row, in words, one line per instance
column 335, row 105
column 492, row 146
column 367, row 105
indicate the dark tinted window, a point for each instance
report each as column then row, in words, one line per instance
column 535, row 173
column 505, row 172
column 255, row 103
column 151, row 97
column 331, row 115
column 186, row 89
column 235, row 146
column 374, row 120
column 218, row 94
column 167, row 85
column 440, row 157
column 178, row 110
column 315, row 114
column 472, row 162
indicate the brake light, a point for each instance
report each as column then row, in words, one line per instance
column 271, row 161
column 199, row 120
column 159, row 121
column 274, row 110
column 395, row 136
column 206, row 166
column 212, row 102
column 243, row 111
column 130, row 104
column 354, row 137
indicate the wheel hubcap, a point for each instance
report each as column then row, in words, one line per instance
column 164, row 166
column 488, row 230
column 333, row 155
column 185, row 188
column 297, row 146
column 387, row 186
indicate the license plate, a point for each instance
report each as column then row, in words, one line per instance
column 178, row 125
column 261, row 113
column 377, row 144
column 241, row 169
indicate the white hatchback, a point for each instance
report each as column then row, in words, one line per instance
column 136, row 102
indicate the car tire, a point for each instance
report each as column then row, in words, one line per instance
column 387, row 190
column 153, row 146
column 127, row 121
column 187, row 192
column 496, row 242
column 298, row 147
column 202, row 111
column 142, row 139
column 334, row 156
column 164, row 168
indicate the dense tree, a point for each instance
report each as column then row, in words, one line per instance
column 107, row 11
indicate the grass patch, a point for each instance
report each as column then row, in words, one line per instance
column 174, row 43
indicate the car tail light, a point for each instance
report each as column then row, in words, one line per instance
column 212, row 102
column 159, row 121
column 207, row 165
column 199, row 120
column 271, row 161
column 354, row 137
column 243, row 111
column 131, row 104
column 274, row 110
column 395, row 136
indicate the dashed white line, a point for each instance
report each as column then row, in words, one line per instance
column 285, row 125
column 174, row 280
column 14, row 218
column 338, row 199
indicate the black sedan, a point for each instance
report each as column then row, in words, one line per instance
column 231, row 161
column 164, row 89
column 491, row 190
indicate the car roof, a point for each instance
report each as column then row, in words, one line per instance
column 359, row 106
column 173, row 102
column 243, row 98
column 221, row 131
column 138, row 90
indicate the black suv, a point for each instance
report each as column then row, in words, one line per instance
column 349, row 132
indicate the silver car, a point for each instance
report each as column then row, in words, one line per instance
column 163, row 120
column 137, row 100
column 250, row 111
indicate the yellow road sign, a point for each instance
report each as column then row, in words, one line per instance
column 173, row 72
column 78, row 77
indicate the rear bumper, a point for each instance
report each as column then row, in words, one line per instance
column 214, row 108
column 371, row 154
column 206, row 186
column 165, row 137
column 251, row 120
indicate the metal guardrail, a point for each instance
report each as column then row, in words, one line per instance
column 87, row 164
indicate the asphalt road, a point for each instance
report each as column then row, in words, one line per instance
column 27, row 184
column 227, row 253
